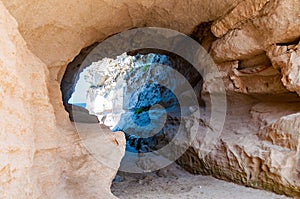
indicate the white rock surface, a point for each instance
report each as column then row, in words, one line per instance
column 114, row 83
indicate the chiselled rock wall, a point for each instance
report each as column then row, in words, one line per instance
column 255, row 45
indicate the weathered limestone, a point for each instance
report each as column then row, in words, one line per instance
column 64, row 32
column 240, row 14
column 260, row 26
column 39, row 158
column 40, row 151
column 24, row 126
column 287, row 59
column 260, row 149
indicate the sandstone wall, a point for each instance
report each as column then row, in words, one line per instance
column 39, row 158
column 63, row 28
column 39, row 147
column 25, row 128
column 257, row 52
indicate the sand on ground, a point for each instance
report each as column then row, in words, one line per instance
column 173, row 182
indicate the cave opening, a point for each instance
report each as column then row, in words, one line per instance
column 152, row 114
column 255, row 45
column 151, row 117
column 256, row 100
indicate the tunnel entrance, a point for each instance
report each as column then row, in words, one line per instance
column 252, row 113
column 152, row 115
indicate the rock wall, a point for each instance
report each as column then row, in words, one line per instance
column 256, row 49
column 257, row 53
column 40, row 158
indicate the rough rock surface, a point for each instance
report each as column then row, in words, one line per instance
column 260, row 26
column 142, row 96
column 287, row 59
column 39, row 158
column 257, row 54
column 40, row 154
column 80, row 114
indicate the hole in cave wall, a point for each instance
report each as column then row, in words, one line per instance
column 134, row 143
column 190, row 160
column 68, row 83
column 71, row 76
column 201, row 33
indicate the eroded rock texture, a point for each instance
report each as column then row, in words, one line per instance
column 257, row 54
column 255, row 45
column 40, row 158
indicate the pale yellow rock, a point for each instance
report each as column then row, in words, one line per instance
column 41, row 154
column 284, row 132
column 268, row 160
column 65, row 30
column 56, row 31
column 39, row 158
column 277, row 22
column 243, row 11
column 287, row 59
column 24, row 102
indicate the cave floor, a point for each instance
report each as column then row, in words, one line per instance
column 173, row 182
